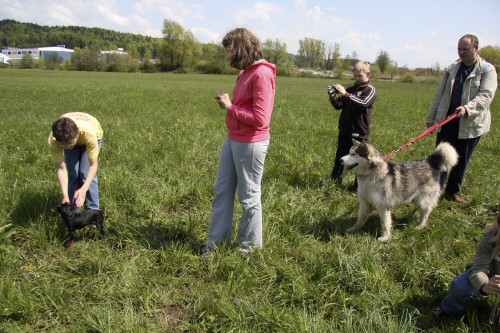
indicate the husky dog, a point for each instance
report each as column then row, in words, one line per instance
column 383, row 185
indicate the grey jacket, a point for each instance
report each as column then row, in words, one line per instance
column 484, row 267
column 477, row 95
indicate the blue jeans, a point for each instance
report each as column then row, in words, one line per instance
column 464, row 148
column 461, row 290
column 77, row 164
column 241, row 168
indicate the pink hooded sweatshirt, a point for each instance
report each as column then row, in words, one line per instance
column 248, row 117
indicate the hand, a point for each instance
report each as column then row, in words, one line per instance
column 80, row 196
column 340, row 89
column 493, row 286
column 223, row 100
column 462, row 111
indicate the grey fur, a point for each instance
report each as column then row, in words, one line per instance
column 383, row 185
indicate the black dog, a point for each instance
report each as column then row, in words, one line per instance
column 80, row 220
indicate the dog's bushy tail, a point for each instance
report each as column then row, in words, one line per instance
column 444, row 157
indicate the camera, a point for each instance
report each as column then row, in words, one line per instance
column 332, row 90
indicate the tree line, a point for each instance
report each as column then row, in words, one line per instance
column 178, row 50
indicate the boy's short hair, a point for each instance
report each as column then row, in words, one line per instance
column 64, row 130
column 361, row 66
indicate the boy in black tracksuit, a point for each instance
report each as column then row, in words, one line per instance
column 356, row 103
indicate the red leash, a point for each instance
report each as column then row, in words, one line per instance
column 424, row 133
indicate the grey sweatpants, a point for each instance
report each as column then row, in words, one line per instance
column 241, row 168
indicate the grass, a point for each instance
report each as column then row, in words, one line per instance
column 163, row 133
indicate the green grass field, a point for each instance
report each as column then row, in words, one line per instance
column 163, row 133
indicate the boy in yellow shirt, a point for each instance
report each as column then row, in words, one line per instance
column 74, row 143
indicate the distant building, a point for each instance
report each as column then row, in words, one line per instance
column 37, row 52
column 61, row 51
column 4, row 59
column 119, row 51
column 17, row 53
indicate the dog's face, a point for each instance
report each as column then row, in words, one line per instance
column 65, row 210
column 362, row 158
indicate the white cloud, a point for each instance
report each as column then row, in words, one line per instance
column 61, row 15
column 314, row 14
column 260, row 11
column 111, row 15
column 206, row 36
column 300, row 4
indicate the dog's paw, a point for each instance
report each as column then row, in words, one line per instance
column 384, row 239
column 421, row 226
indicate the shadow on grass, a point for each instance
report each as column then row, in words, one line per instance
column 159, row 235
column 294, row 177
column 476, row 319
column 326, row 227
column 33, row 207
column 38, row 211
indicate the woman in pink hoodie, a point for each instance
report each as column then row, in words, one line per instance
column 244, row 150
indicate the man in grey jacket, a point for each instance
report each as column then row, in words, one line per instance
column 467, row 87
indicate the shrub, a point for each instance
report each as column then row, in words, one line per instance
column 408, row 79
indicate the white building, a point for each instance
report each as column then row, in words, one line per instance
column 119, row 51
column 61, row 51
column 4, row 59
column 37, row 52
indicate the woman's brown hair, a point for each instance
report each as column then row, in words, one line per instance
column 243, row 48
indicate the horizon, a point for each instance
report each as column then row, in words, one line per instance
column 416, row 35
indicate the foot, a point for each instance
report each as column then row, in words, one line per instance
column 455, row 198
column 245, row 250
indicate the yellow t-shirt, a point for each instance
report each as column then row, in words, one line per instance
column 89, row 132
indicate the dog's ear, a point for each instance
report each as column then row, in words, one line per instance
column 60, row 207
column 355, row 142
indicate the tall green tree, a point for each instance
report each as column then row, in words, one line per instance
column 177, row 46
column 436, row 69
column 212, row 59
column 26, row 62
column 333, row 56
column 86, row 59
column 275, row 51
column 491, row 54
column 147, row 64
column 383, row 61
column 53, row 61
column 311, row 53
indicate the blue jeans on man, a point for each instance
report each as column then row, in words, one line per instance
column 464, row 148
column 77, row 164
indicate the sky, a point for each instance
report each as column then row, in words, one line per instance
column 414, row 33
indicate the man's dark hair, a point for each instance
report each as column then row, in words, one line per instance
column 64, row 130
column 473, row 40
